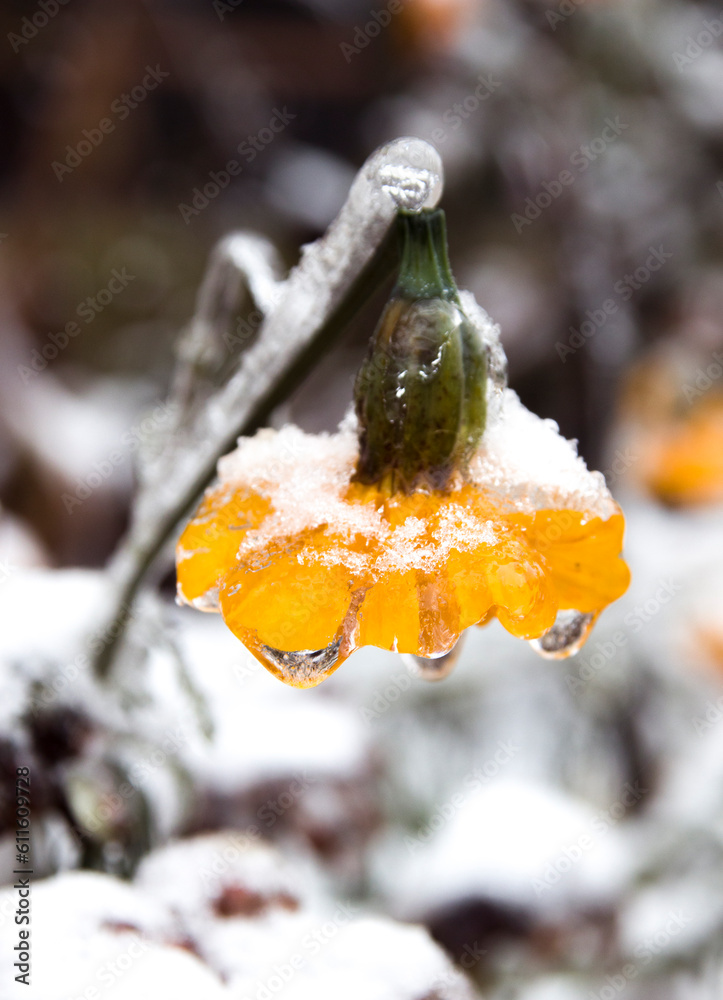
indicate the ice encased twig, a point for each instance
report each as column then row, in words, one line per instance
column 241, row 263
column 210, row 409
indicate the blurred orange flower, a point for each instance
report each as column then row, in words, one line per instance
column 683, row 459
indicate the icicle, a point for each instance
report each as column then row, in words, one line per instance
column 302, row 668
column 433, row 668
column 566, row 637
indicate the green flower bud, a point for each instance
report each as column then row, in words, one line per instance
column 421, row 393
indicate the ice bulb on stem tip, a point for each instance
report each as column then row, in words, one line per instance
column 412, row 175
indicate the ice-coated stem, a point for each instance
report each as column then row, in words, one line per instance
column 301, row 315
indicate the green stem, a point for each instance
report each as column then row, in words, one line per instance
column 424, row 271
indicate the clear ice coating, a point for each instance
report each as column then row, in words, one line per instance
column 566, row 637
column 433, row 668
column 489, row 333
column 304, row 667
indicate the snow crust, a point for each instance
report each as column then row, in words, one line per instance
column 527, row 462
column 187, row 875
column 164, row 935
column 378, row 959
column 519, row 842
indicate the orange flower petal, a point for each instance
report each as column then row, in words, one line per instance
column 389, row 613
column 208, row 546
column 582, row 557
column 521, row 591
column 289, row 598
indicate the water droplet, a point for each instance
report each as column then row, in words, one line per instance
column 302, row 668
column 433, row 668
column 566, row 637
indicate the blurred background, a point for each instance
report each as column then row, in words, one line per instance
column 557, row 828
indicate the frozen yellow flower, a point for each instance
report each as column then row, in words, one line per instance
column 413, row 523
